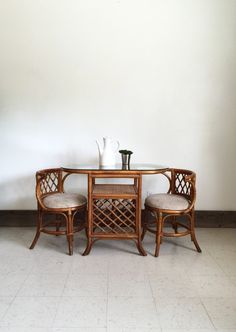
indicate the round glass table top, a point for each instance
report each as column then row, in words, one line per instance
column 116, row 167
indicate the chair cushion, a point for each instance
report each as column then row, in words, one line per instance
column 64, row 200
column 167, row 202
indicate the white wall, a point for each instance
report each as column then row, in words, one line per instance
column 157, row 75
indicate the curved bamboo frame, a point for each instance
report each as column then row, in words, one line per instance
column 49, row 182
column 181, row 182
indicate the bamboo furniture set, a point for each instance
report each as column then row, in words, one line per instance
column 112, row 209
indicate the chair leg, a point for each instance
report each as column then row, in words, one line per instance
column 58, row 223
column 144, row 224
column 69, row 232
column 175, row 225
column 84, row 216
column 38, row 231
column 158, row 234
column 193, row 236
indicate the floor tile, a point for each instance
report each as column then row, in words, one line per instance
column 172, row 285
column 79, row 329
column 189, row 330
column 14, row 247
column 31, row 312
column 233, row 279
column 25, row 329
column 226, row 259
column 165, row 265
column 125, row 264
column 43, row 285
column 213, row 286
column 52, row 263
column 5, row 302
column 141, row 330
column 222, row 311
column 11, row 283
column 133, row 329
column 86, row 285
column 11, row 264
column 217, row 236
column 226, row 330
column 130, row 284
column 202, row 264
column 43, row 329
column 130, row 312
column 89, row 265
column 182, row 313
column 81, row 312
column 12, row 233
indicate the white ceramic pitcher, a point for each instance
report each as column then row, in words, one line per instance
column 107, row 153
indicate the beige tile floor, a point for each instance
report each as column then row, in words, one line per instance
column 114, row 289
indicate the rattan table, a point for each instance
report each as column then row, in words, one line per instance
column 114, row 209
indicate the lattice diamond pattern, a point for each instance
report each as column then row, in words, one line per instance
column 181, row 186
column 114, row 216
column 49, row 183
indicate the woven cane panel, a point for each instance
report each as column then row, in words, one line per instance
column 181, row 185
column 114, row 216
column 49, row 183
column 111, row 189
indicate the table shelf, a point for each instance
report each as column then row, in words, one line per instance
column 114, row 191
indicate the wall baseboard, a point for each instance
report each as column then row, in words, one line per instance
column 211, row 219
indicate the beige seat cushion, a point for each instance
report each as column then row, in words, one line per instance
column 64, row 200
column 167, row 202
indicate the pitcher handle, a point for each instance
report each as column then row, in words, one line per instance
column 118, row 146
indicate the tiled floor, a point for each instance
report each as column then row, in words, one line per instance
column 114, row 289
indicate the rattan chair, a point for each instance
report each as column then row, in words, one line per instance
column 69, row 208
column 177, row 202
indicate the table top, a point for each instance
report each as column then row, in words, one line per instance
column 140, row 168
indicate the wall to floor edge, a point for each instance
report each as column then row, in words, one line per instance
column 204, row 218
